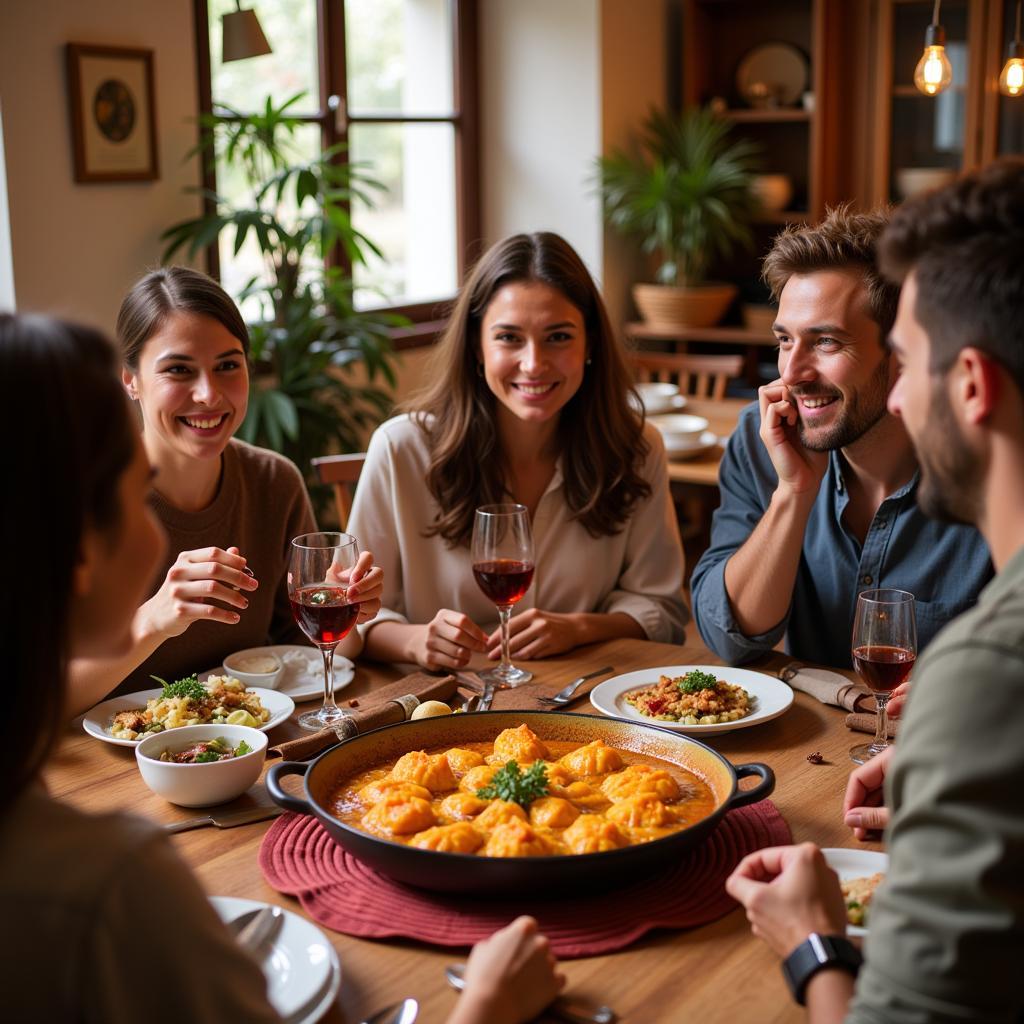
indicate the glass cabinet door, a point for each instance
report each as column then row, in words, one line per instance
column 927, row 134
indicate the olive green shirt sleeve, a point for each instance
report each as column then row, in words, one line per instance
column 946, row 939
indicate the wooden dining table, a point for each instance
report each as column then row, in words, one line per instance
column 717, row 972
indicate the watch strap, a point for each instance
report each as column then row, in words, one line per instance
column 816, row 953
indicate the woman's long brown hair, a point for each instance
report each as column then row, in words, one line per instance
column 600, row 432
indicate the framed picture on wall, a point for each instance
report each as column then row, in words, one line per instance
column 113, row 122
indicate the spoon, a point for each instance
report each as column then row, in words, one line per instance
column 255, row 928
column 404, row 1012
column 562, row 1008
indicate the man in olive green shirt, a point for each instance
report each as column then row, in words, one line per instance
column 946, row 938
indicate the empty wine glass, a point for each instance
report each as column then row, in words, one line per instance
column 884, row 651
column 503, row 569
column 317, row 589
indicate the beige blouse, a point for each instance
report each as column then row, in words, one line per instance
column 638, row 571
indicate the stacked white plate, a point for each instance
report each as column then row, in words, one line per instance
column 302, row 969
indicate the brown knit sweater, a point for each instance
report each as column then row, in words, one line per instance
column 260, row 506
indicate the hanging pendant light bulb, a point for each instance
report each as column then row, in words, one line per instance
column 1011, row 81
column 934, row 73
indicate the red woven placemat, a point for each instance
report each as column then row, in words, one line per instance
column 299, row 858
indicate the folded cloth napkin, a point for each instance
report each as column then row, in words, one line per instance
column 868, row 723
column 828, row 687
column 384, row 706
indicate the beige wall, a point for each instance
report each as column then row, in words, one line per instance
column 540, row 115
column 632, row 80
column 77, row 248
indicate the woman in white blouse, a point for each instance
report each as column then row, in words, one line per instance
column 529, row 402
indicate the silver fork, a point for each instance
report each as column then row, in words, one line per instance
column 566, row 695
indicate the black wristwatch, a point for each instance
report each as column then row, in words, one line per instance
column 814, row 954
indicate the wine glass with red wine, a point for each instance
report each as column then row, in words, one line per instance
column 884, row 651
column 503, row 569
column 317, row 589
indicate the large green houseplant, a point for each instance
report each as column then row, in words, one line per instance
column 685, row 193
column 316, row 359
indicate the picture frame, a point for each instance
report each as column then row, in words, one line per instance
column 113, row 115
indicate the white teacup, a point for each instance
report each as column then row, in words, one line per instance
column 680, row 430
column 657, row 397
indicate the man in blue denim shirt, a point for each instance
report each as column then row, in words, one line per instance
column 819, row 481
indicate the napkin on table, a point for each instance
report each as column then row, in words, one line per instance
column 375, row 709
column 828, row 687
column 868, row 723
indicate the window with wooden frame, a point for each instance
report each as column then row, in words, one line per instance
column 395, row 82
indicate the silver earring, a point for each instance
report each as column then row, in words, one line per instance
column 587, row 361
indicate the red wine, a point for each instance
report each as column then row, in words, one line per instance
column 324, row 613
column 504, row 580
column 883, row 668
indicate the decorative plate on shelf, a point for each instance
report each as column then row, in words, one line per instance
column 772, row 75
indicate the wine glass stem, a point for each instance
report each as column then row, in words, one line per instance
column 328, row 653
column 504, row 613
column 882, row 723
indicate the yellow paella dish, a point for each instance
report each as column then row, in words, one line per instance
column 519, row 796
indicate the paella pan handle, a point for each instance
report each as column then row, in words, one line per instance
column 741, row 797
column 277, row 793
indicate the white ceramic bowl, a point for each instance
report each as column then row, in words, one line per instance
column 911, row 181
column 657, row 397
column 242, row 664
column 201, row 785
column 680, row 430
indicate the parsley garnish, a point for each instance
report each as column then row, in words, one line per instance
column 694, row 682
column 206, row 756
column 187, row 687
column 243, row 748
column 510, row 784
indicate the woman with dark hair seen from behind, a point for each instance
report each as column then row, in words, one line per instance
column 105, row 923
column 529, row 403
column 230, row 509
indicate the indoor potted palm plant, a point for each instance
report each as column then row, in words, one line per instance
column 685, row 193
column 308, row 338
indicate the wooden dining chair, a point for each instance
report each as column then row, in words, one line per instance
column 698, row 376
column 342, row 473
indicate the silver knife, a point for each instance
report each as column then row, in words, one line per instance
column 226, row 819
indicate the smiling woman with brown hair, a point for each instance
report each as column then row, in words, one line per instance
column 529, row 402
column 230, row 509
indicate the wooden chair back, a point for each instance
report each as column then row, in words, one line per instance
column 342, row 473
column 698, row 376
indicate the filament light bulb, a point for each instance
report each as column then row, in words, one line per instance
column 933, row 73
column 1011, row 81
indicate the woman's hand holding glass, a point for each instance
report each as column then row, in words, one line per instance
column 536, row 633
column 195, row 589
column 364, row 584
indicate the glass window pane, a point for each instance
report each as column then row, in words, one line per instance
column 399, row 56
column 237, row 271
column 291, row 29
column 413, row 223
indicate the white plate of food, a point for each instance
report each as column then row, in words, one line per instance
column 302, row 969
column 303, row 676
column 860, row 873
column 766, row 698
column 99, row 721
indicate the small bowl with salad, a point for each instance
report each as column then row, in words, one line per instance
column 202, row 765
